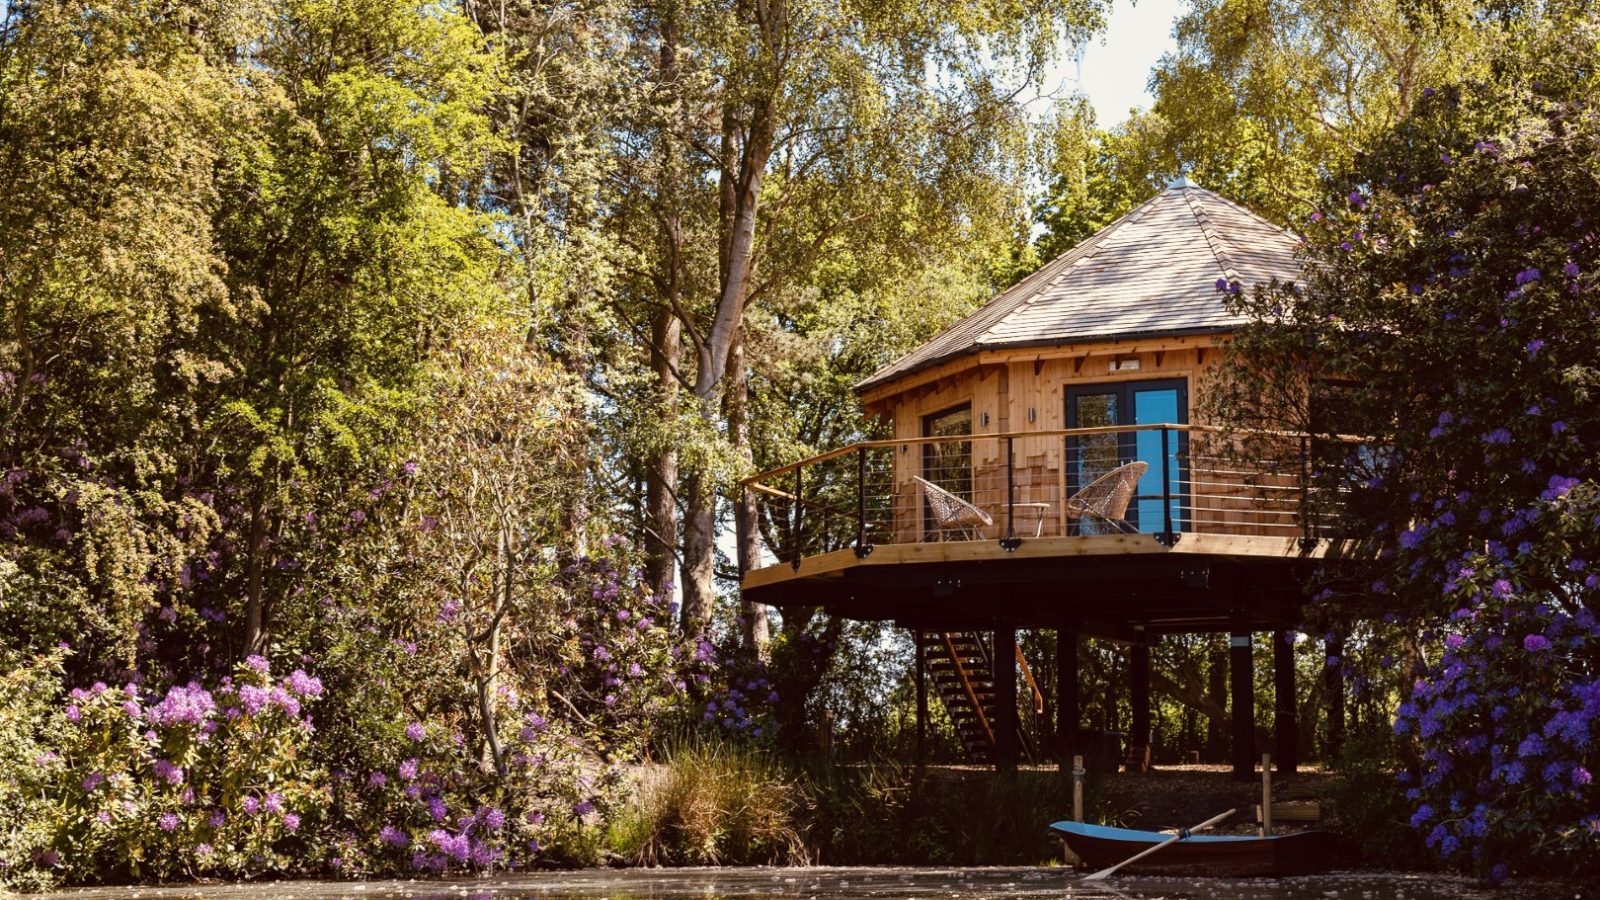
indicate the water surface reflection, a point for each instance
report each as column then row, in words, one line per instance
column 851, row 884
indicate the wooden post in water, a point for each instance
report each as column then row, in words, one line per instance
column 1266, row 794
column 1077, row 788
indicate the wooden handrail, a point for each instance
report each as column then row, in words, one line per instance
column 1027, row 675
column 1054, row 433
column 972, row 695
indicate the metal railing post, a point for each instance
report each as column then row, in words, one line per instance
column 794, row 529
column 1168, row 537
column 1011, row 542
column 1308, row 540
column 862, row 547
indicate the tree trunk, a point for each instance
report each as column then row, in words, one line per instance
column 699, row 551
column 661, row 468
column 752, row 616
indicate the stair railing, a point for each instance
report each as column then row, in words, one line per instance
column 966, row 682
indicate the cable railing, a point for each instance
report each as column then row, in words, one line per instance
column 1161, row 480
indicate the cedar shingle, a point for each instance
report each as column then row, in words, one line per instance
column 1151, row 272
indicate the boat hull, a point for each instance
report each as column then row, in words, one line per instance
column 1300, row 853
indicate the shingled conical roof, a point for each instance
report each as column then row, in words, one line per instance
column 1152, row 272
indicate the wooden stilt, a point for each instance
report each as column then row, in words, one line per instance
column 1067, row 692
column 1241, row 669
column 1139, row 731
column 1285, row 714
column 1004, row 660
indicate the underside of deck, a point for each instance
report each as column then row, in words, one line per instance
column 1109, row 586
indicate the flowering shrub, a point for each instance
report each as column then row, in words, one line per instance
column 28, row 712
column 1453, row 318
column 438, row 810
column 1509, row 714
column 194, row 781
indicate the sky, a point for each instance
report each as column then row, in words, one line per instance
column 1116, row 67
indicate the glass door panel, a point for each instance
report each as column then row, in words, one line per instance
column 948, row 463
column 1158, row 406
column 1127, row 404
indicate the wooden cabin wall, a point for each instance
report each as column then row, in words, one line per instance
column 1022, row 394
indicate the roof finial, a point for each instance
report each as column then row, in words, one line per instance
column 1181, row 180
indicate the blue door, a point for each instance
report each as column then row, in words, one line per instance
column 1128, row 403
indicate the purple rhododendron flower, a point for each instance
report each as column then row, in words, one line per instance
column 582, row 808
column 304, row 685
column 168, row 822
column 184, row 705
column 408, row 769
column 1558, row 487
column 1535, row 643
column 393, row 836
column 273, row 803
column 415, row 731
column 251, row 804
column 254, row 699
column 291, row 822
column 257, row 663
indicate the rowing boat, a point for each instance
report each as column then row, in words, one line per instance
column 1297, row 853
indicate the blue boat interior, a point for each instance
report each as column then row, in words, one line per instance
column 1134, row 836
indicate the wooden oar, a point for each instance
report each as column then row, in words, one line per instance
column 1107, row 872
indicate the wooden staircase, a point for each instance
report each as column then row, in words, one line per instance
column 960, row 669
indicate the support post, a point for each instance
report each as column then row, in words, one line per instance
column 1333, row 674
column 1285, row 710
column 1067, row 692
column 1004, row 661
column 1139, row 732
column 1242, row 702
column 922, row 696
column 1077, row 788
column 1266, row 794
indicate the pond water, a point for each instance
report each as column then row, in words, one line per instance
column 856, row 884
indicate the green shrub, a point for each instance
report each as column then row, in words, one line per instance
column 713, row 803
column 28, row 713
column 1370, row 808
column 891, row 813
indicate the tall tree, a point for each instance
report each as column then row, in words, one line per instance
column 777, row 106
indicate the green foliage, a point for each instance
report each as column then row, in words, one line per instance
column 28, row 716
column 1451, row 319
column 713, row 803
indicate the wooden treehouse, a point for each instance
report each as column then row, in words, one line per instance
column 1045, row 472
